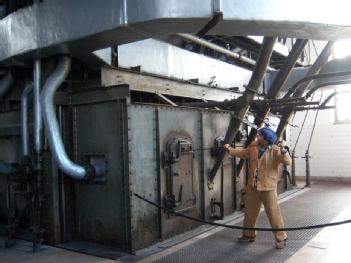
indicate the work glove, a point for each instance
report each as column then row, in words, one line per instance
column 226, row 147
column 284, row 148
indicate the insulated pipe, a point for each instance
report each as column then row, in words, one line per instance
column 325, row 84
column 37, row 132
column 24, row 119
column 6, row 83
column 245, row 100
column 220, row 49
column 309, row 78
column 52, row 127
column 276, row 87
column 315, row 68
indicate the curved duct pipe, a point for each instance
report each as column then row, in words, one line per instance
column 326, row 84
column 24, row 119
column 52, row 127
column 37, row 133
column 6, row 83
column 315, row 68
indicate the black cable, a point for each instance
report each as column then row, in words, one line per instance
column 241, row 227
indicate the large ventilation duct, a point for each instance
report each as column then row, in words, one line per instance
column 6, row 83
column 24, row 119
column 120, row 21
column 52, row 127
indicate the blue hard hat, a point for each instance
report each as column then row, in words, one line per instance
column 268, row 135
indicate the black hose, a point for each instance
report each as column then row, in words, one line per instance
column 242, row 227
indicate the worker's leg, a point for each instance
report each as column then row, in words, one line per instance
column 270, row 202
column 252, row 209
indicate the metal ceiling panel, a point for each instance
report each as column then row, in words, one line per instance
column 64, row 26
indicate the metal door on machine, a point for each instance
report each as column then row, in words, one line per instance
column 179, row 187
column 178, row 158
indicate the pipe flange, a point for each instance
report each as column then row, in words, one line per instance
column 90, row 172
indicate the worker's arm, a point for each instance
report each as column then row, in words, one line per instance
column 241, row 153
column 284, row 155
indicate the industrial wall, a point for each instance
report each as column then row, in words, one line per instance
column 330, row 144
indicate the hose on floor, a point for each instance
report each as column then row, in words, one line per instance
column 241, row 227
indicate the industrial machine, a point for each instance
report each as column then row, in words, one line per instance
column 80, row 134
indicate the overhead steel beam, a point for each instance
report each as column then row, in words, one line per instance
column 64, row 26
column 244, row 101
column 167, row 86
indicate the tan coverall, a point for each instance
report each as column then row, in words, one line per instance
column 264, row 188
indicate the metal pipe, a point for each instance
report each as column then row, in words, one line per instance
column 293, row 168
column 325, row 84
column 37, row 132
column 5, row 83
column 24, row 119
column 308, row 170
column 309, row 78
column 52, row 128
column 220, row 49
column 315, row 68
column 273, row 92
column 245, row 100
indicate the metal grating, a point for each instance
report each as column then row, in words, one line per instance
column 312, row 207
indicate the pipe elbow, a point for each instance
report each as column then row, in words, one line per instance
column 56, row 144
column 6, row 83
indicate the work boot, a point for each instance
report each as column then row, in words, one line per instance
column 280, row 244
column 244, row 239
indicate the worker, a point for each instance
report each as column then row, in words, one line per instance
column 264, row 158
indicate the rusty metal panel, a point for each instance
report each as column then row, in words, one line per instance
column 143, row 174
column 101, row 209
column 180, row 122
column 215, row 124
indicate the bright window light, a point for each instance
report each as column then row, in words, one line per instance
column 342, row 48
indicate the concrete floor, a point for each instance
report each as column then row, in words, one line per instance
column 324, row 202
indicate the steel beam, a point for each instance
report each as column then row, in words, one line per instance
column 64, row 26
column 157, row 84
column 246, row 99
column 274, row 90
